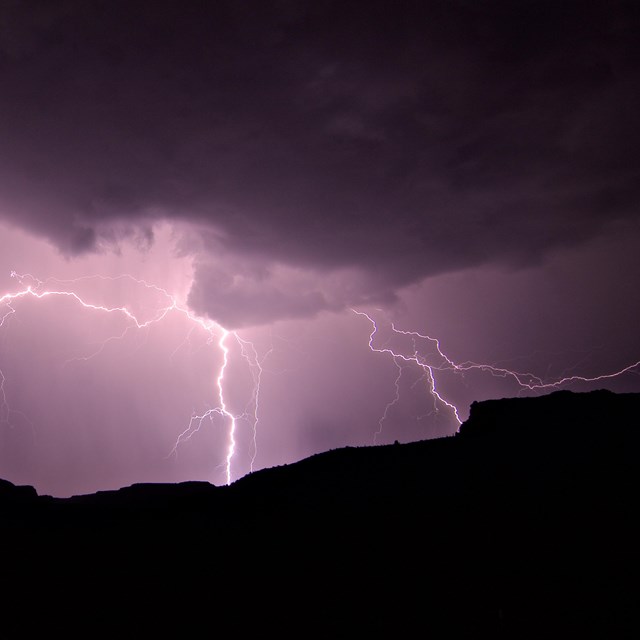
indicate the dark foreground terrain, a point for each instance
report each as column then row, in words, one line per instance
column 525, row 524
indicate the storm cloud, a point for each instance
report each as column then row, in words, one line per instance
column 354, row 148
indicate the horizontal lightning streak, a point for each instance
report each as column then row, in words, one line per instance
column 526, row 381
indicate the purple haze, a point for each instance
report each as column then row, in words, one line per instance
column 459, row 169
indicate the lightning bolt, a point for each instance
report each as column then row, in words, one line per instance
column 255, row 363
column 426, row 354
column 526, row 381
column 6, row 411
column 36, row 289
column 392, row 403
column 414, row 358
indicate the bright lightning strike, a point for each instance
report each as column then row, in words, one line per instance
column 36, row 289
column 426, row 354
column 442, row 362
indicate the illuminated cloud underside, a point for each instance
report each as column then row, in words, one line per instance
column 235, row 412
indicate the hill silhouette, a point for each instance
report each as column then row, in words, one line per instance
column 524, row 524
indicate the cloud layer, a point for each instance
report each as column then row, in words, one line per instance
column 351, row 151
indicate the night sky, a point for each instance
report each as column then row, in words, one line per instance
column 466, row 170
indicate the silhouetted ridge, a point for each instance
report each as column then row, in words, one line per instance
column 559, row 414
column 524, row 524
column 9, row 492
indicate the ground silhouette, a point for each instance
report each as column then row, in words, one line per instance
column 523, row 525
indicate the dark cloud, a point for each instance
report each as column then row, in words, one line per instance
column 237, row 299
column 399, row 140
column 243, row 291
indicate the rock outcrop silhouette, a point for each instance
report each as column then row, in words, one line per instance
column 524, row 524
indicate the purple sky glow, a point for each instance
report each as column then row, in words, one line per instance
column 254, row 177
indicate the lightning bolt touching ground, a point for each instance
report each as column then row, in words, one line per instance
column 392, row 403
column 439, row 361
column 424, row 353
column 36, row 289
column 414, row 358
column 255, row 363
